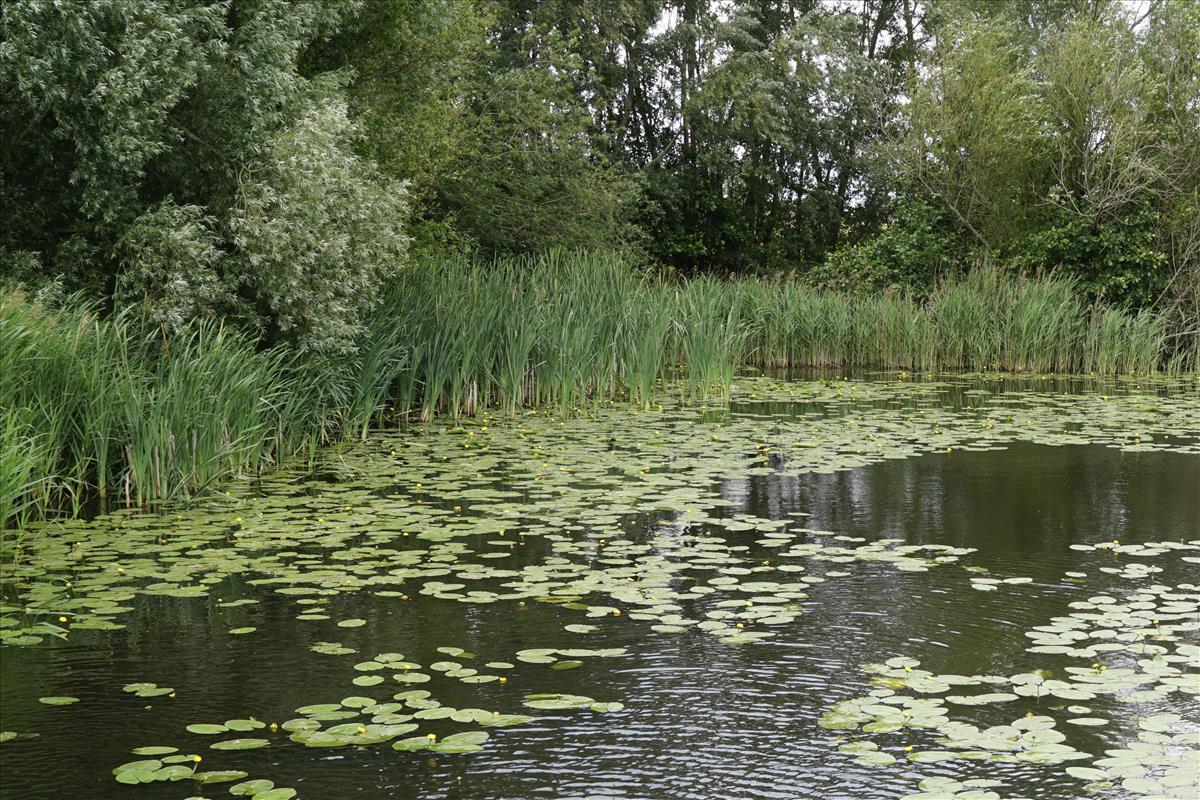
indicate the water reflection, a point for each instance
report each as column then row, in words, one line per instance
column 1023, row 502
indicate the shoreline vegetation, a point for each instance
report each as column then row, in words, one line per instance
column 108, row 408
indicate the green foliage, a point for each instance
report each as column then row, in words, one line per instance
column 171, row 259
column 972, row 141
column 915, row 251
column 478, row 105
column 89, row 90
column 151, row 145
column 774, row 111
column 1062, row 136
column 170, row 155
column 108, row 411
column 317, row 235
column 107, row 408
column 100, row 407
column 569, row 329
column 410, row 60
column 1119, row 261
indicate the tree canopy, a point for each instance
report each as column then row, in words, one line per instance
column 276, row 160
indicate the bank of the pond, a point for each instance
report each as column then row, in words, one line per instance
column 98, row 407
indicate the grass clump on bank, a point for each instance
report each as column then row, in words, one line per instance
column 563, row 329
column 107, row 408
column 104, row 409
column 988, row 320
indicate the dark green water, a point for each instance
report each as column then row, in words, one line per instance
column 703, row 719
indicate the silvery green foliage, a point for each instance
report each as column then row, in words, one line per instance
column 171, row 258
column 147, row 149
column 317, row 233
column 99, row 79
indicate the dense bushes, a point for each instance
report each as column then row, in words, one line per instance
column 913, row 252
column 170, row 155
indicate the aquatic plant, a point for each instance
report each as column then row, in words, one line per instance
column 109, row 408
column 632, row 528
column 98, row 408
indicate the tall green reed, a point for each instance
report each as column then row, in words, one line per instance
column 101, row 407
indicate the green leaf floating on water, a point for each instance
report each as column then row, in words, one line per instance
column 147, row 689
column 154, row 750
column 440, row 712
column 557, row 702
column 304, row 724
column 149, row 771
column 244, row 724
column 242, row 631
column 411, row 677
column 876, row 759
column 206, row 729
column 505, row 720
column 143, row 765
column 176, row 772
column 413, row 743
column 60, row 700
column 180, row 759
column 606, row 707
column 220, row 776
column 931, row 756
column 275, row 794
column 352, row 623
column 537, row 655
column 251, row 788
column 450, row 747
column 240, row 744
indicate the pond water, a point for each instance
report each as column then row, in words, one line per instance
column 828, row 589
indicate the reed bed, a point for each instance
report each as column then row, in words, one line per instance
column 568, row 329
column 98, row 407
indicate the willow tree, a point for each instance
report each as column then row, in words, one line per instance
column 170, row 153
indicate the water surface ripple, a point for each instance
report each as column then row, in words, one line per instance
column 703, row 720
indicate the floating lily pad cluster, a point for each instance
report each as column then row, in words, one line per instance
column 148, row 690
column 361, row 721
column 502, row 484
column 1140, row 658
column 615, row 522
